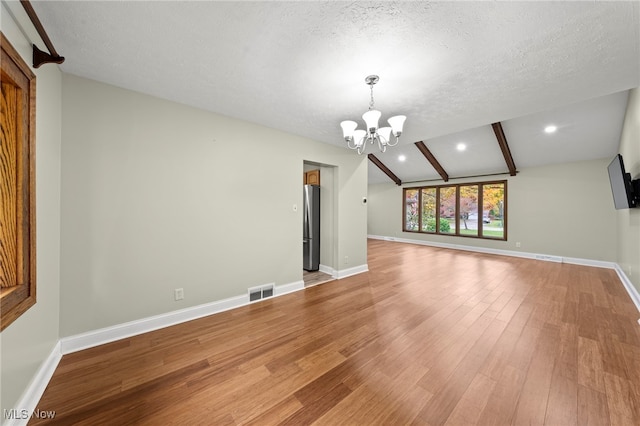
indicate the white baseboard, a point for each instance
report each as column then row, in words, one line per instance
column 289, row 288
column 344, row 273
column 590, row 262
column 101, row 336
column 327, row 270
column 628, row 285
column 28, row 402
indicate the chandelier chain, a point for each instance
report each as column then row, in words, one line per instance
column 371, row 102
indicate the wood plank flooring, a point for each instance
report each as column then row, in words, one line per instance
column 315, row 278
column 429, row 336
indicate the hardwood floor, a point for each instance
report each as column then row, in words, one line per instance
column 315, row 278
column 429, row 336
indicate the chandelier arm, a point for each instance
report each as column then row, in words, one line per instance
column 361, row 148
column 394, row 143
column 349, row 143
column 381, row 145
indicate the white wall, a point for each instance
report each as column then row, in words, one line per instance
column 562, row 210
column 28, row 341
column 629, row 220
column 157, row 195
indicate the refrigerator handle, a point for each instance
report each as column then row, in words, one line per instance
column 306, row 222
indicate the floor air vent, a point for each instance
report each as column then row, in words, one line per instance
column 549, row 258
column 262, row 292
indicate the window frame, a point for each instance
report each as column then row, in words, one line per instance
column 16, row 299
column 457, row 186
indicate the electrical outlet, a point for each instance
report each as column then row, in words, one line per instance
column 518, row 244
column 346, row 260
column 178, row 293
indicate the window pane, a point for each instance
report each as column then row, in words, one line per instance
column 448, row 210
column 428, row 210
column 411, row 210
column 469, row 210
column 493, row 208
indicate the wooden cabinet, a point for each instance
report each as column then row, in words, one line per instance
column 312, row 177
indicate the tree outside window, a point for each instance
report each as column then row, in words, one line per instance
column 411, row 209
column 455, row 210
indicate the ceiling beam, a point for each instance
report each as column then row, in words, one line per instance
column 40, row 57
column 385, row 169
column 432, row 159
column 504, row 146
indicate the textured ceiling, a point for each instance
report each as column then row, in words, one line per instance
column 299, row 66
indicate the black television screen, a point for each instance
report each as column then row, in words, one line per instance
column 623, row 196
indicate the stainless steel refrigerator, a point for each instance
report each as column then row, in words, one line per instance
column 311, row 228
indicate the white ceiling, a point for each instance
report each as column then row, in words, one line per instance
column 451, row 67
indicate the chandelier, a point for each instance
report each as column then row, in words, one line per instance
column 385, row 136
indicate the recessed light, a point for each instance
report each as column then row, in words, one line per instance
column 461, row 146
column 550, row 129
column 401, row 158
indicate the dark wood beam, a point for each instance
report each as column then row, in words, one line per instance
column 385, row 169
column 432, row 159
column 504, row 147
column 40, row 57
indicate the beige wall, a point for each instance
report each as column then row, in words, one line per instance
column 157, row 196
column 27, row 342
column 562, row 210
column 629, row 220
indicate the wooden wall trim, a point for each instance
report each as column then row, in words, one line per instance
column 17, row 186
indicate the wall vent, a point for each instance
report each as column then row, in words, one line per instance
column 549, row 258
column 261, row 292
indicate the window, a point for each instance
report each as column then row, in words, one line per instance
column 428, row 210
column 466, row 210
column 448, row 209
column 469, row 210
column 411, row 209
column 17, row 186
column 494, row 204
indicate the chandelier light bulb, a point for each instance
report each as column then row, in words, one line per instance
column 348, row 127
column 385, row 134
column 371, row 119
column 397, row 123
column 358, row 137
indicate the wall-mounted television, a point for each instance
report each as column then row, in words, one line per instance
column 625, row 190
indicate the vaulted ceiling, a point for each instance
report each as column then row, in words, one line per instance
column 453, row 68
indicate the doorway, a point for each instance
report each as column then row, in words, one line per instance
column 326, row 178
